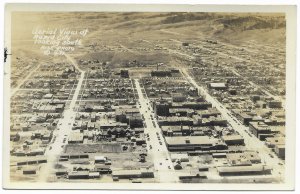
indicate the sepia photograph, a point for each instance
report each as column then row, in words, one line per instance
column 173, row 97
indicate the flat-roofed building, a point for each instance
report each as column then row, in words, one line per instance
column 260, row 129
column 94, row 175
column 280, row 150
column 183, row 157
column 192, row 177
column 233, row 139
column 100, row 159
column 217, row 86
column 78, row 175
column 257, row 169
column 274, row 104
column 127, row 174
column 192, row 143
column 29, row 170
column 171, row 121
column 75, row 137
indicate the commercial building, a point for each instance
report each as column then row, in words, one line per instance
column 257, row 169
column 78, row 175
column 261, row 130
column 192, row 143
column 277, row 143
column 128, row 174
column 233, row 139
column 161, row 108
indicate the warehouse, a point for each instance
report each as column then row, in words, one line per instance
column 128, row 174
column 192, row 143
column 243, row 170
column 78, row 175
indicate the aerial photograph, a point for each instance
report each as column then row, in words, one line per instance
column 147, row 97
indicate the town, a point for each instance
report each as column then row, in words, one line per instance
column 166, row 104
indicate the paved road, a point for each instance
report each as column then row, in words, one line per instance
column 159, row 153
column 251, row 142
column 63, row 131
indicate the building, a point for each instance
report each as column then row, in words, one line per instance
column 185, row 44
column 183, row 157
column 182, row 112
column 209, row 112
column 274, row 104
column 29, row 170
column 260, row 130
column 195, row 105
column 192, row 177
column 280, row 151
column 277, row 143
column 161, row 73
column 48, row 96
column 233, row 139
column 257, row 169
column 173, row 121
column 100, row 159
column 78, row 175
column 217, row 86
column 93, row 175
column 161, row 108
column 129, row 174
column 102, row 169
column 178, row 97
column 14, row 136
column 246, row 158
column 124, row 73
column 75, row 137
column 192, row 143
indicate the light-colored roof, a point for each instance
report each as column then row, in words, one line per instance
column 126, row 172
column 194, row 140
column 179, row 156
column 232, row 137
column 253, row 168
column 76, row 136
column 218, row 85
column 100, row 158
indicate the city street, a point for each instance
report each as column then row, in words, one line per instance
column 159, row 153
column 63, row 130
column 252, row 142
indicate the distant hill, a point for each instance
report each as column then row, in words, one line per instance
column 234, row 28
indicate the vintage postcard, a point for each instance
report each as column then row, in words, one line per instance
column 174, row 97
